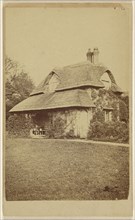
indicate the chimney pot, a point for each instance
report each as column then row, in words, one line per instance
column 95, row 55
column 89, row 55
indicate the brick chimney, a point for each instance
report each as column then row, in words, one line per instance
column 89, row 55
column 95, row 56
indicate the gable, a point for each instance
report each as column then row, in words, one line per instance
column 53, row 83
column 48, row 85
column 105, row 79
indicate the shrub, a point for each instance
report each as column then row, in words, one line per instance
column 19, row 125
column 102, row 92
column 95, row 130
column 93, row 94
column 109, row 131
column 98, row 116
column 56, row 130
column 70, row 134
column 124, row 114
column 115, row 112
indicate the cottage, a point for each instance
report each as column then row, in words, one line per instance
column 74, row 94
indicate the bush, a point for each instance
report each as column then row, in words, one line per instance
column 93, row 94
column 19, row 125
column 109, row 131
column 124, row 114
column 56, row 130
column 98, row 116
column 70, row 134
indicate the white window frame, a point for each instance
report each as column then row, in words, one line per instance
column 108, row 115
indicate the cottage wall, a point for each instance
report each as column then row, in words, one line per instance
column 75, row 122
column 78, row 122
column 82, row 122
column 105, row 101
column 70, row 122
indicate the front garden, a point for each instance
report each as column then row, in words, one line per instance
column 40, row 169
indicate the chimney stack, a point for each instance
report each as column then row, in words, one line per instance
column 89, row 55
column 93, row 56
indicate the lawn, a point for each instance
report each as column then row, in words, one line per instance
column 39, row 169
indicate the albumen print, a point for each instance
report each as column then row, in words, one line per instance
column 67, row 79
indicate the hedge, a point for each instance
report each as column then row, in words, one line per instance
column 109, row 131
column 19, row 126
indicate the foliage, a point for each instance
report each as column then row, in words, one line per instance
column 109, row 131
column 56, row 130
column 70, row 134
column 18, row 84
column 99, row 115
column 106, row 98
column 115, row 112
column 124, row 114
column 95, row 130
column 124, row 107
column 120, row 105
column 19, row 125
column 93, row 94
column 102, row 92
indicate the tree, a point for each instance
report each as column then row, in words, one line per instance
column 124, row 107
column 18, row 84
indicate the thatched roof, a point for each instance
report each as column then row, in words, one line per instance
column 70, row 92
column 115, row 88
column 63, row 99
column 79, row 75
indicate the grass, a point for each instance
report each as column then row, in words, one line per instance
column 39, row 169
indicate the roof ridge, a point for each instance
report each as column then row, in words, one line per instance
column 79, row 64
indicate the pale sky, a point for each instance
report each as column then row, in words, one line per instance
column 42, row 38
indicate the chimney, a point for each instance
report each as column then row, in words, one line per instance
column 89, row 55
column 95, row 56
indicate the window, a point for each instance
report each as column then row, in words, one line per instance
column 108, row 115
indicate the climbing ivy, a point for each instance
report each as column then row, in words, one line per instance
column 118, row 129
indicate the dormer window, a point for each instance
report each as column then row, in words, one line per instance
column 53, row 83
column 105, row 79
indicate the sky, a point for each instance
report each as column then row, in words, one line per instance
column 41, row 38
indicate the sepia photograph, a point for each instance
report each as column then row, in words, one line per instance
column 67, row 102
